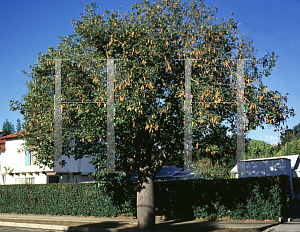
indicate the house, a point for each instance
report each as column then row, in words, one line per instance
column 1, row 133
column 171, row 173
column 23, row 169
column 295, row 164
column 174, row 173
column 274, row 166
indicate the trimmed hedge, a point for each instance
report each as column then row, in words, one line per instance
column 247, row 198
column 60, row 199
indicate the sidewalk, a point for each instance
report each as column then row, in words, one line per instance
column 93, row 224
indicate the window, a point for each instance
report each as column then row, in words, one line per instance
column 29, row 158
column 53, row 179
column 27, row 180
column 32, row 158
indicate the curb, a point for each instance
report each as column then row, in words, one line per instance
column 35, row 226
column 70, row 228
column 91, row 226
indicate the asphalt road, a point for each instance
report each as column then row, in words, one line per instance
column 19, row 229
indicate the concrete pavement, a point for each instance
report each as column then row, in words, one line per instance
column 93, row 224
column 20, row 229
column 293, row 226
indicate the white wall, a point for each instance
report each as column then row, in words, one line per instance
column 16, row 160
column 72, row 165
column 11, row 158
column 20, row 179
column 296, row 173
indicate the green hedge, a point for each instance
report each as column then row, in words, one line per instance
column 296, row 188
column 247, row 198
column 296, row 183
column 60, row 199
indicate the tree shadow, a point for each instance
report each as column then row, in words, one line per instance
column 192, row 225
column 296, row 204
column 176, row 226
column 103, row 226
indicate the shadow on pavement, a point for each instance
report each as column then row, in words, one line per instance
column 180, row 226
column 105, row 225
column 296, row 204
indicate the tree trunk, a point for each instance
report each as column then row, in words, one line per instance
column 145, row 206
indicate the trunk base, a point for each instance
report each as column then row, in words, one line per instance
column 145, row 206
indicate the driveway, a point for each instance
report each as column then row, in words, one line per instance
column 294, row 225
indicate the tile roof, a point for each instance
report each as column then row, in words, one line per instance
column 168, row 171
column 2, row 144
column 11, row 136
column 172, row 171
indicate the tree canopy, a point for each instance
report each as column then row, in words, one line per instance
column 149, row 87
column 290, row 148
column 8, row 128
column 147, row 42
column 19, row 126
column 288, row 135
column 259, row 149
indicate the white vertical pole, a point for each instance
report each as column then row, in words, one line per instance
column 188, row 117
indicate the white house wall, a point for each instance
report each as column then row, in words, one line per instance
column 11, row 158
column 72, row 165
column 295, row 161
column 20, row 179
column 296, row 174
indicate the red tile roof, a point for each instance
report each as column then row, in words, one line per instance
column 11, row 136
column 2, row 144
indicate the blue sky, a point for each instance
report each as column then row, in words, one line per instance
column 29, row 27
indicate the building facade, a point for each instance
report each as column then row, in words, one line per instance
column 19, row 168
column 274, row 166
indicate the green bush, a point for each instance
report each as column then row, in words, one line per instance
column 246, row 198
column 60, row 199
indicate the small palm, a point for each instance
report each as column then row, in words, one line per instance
column 7, row 169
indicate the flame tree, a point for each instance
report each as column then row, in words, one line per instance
column 149, row 90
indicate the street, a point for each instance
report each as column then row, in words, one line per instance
column 20, row 229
